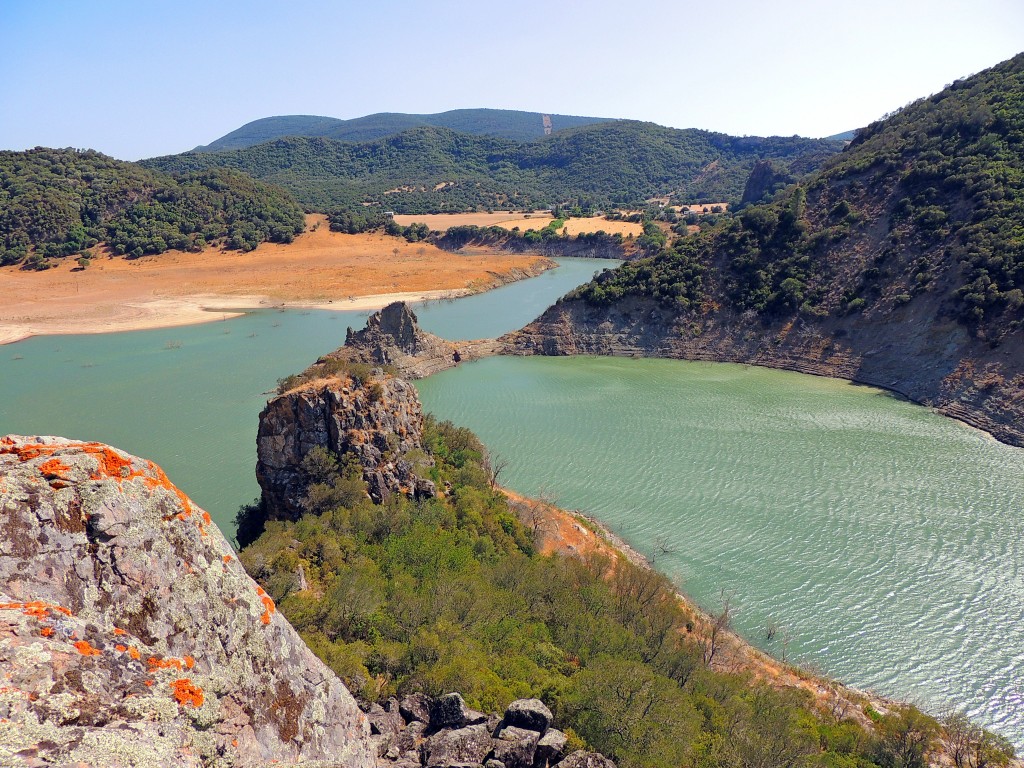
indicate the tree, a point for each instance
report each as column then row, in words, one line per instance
column 906, row 739
column 969, row 745
column 720, row 623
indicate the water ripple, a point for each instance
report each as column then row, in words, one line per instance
column 885, row 539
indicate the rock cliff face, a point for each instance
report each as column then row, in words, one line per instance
column 393, row 337
column 379, row 420
column 130, row 635
column 932, row 362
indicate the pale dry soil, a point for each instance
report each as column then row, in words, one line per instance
column 509, row 220
column 321, row 269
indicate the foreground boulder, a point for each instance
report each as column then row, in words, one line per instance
column 444, row 733
column 130, row 635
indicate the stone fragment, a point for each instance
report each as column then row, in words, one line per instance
column 528, row 713
column 456, row 747
column 515, row 747
column 415, row 708
column 550, row 748
column 450, row 711
column 581, row 759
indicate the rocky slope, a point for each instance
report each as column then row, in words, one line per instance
column 377, row 418
column 351, row 403
column 130, row 635
column 931, row 362
column 441, row 732
column 899, row 263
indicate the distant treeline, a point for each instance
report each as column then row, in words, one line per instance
column 432, row 169
column 61, row 202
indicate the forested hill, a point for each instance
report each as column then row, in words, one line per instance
column 506, row 123
column 430, row 169
column 901, row 263
column 60, row 202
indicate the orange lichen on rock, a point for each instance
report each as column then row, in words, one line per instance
column 37, row 609
column 228, row 558
column 119, row 631
column 134, row 652
column 54, row 468
column 167, row 663
column 120, row 648
column 148, row 683
column 189, row 662
column 185, row 692
column 268, row 605
column 84, row 648
column 158, row 479
column 109, row 464
column 46, row 631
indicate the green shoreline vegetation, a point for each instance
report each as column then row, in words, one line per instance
column 927, row 200
column 450, row 594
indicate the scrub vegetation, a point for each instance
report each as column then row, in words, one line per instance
column 449, row 594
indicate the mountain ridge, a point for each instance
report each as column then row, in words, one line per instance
column 504, row 123
column 429, row 169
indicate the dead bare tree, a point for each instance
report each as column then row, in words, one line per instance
column 495, row 464
column 720, row 624
column 662, row 546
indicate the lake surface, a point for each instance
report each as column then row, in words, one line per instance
column 883, row 540
column 886, row 542
column 189, row 398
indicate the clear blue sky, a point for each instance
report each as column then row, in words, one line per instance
column 141, row 78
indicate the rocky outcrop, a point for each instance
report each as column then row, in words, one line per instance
column 765, row 178
column 393, row 337
column 908, row 351
column 130, row 635
column 376, row 418
column 444, row 732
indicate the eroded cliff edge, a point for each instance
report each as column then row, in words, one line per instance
column 930, row 361
column 132, row 636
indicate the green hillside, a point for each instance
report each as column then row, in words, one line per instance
column 449, row 594
column 429, row 169
column 927, row 201
column 59, row 202
column 506, row 123
column 899, row 263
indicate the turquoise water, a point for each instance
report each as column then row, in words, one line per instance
column 189, row 398
column 884, row 541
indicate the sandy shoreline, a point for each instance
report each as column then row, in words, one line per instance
column 320, row 270
column 192, row 310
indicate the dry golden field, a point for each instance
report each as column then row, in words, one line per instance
column 508, row 220
column 321, row 268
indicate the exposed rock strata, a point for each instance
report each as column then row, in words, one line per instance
column 378, row 420
column 393, row 337
column 130, row 635
column 929, row 361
